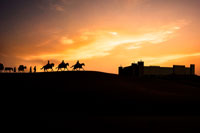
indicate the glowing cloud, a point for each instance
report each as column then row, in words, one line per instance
column 163, row 59
column 59, row 8
column 103, row 42
column 113, row 33
column 66, row 41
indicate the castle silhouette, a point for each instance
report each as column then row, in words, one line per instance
column 139, row 70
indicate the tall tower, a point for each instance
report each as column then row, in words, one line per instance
column 192, row 69
column 120, row 70
column 140, row 68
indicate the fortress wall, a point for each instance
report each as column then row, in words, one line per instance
column 140, row 70
column 179, row 70
column 156, row 70
column 128, row 71
column 187, row 71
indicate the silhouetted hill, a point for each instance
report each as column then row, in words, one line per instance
column 88, row 98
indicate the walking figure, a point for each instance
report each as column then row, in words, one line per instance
column 30, row 69
column 34, row 69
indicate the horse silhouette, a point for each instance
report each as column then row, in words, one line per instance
column 1, row 67
column 21, row 68
column 78, row 66
column 62, row 65
column 9, row 69
column 48, row 66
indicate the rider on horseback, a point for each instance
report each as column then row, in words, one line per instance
column 77, row 63
column 62, row 65
column 78, row 66
column 63, row 62
column 48, row 66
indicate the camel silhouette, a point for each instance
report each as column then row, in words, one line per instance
column 1, row 67
column 9, row 69
column 21, row 68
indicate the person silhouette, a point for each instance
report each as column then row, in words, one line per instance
column 14, row 69
column 30, row 69
column 63, row 62
column 34, row 69
column 48, row 62
column 77, row 63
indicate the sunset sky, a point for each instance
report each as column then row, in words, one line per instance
column 103, row 34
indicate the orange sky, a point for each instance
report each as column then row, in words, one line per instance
column 103, row 34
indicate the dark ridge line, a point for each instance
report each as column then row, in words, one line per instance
column 54, row 72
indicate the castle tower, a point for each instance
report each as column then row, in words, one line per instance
column 140, row 68
column 192, row 69
column 120, row 70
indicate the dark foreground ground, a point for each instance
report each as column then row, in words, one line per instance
column 99, row 101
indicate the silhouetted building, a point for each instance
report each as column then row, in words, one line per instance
column 138, row 70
